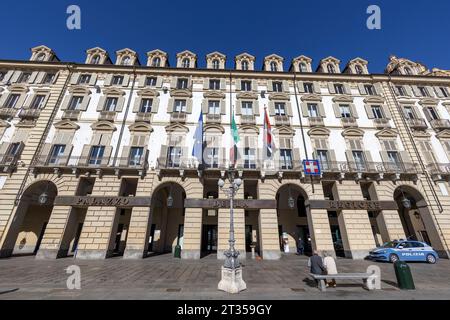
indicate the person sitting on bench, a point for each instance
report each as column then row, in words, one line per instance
column 330, row 265
column 315, row 264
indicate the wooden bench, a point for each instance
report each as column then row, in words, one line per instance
column 344, row 276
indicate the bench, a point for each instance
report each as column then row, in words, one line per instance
column 347, row 276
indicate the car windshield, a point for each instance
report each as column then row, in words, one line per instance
column 390, row 244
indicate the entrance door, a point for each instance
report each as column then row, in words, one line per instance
column 41, row 235
column 152, row 236
column 77, row 237
column 337, row 240
column 303, row 232
column 118, row 237
column 209, row 241
column 248, row 237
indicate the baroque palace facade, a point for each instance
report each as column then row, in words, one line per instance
column 96, row 161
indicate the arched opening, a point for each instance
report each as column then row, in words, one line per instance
column 330, row 68
column 416, row 218
column 156, row 62
column 244, row 65
column 126, row 61
column 40, row 57
column 95, row 59
column 359, row 69
column 33, row 213
column 273, row 66
column 167, row 219
column 293, row 224
column 302, row 67
column 215, row 64
column 185, row 63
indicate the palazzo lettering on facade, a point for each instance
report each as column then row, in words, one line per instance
column 352, row 205
column 89, row 201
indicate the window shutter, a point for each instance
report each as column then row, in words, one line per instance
column 3, row 150
column 337, row 112
column 369, row 161
column 237, row 83
column 282, row 141
column 361, row 89
column 256, row 108
column 271, row 108
column 321, row 110
column 416, row 91
column 408, row 90
column 173, row 83
column 205, row 106
column 75, row 78
column 40, row 77
column 286, row 86
column 238, row 108
column 123, row 162
column 93, row 79
column 316, row 87
column 137, row 104
column 126, row 80
column 254, row 85
column 289, row 109
column 269, row 85
column 222, row 157
column 300, row 86
column 108, row 80
column 106, row 155
column 386, row 111
column 155, row 105
column 385, row 157
column 85, row 154
column 65, row 103
column 101, row 103
column 223, row 84
column 162, row 159
column 28, row 101
column 15, row 76
column 21, row 100
column 8, row 76
column 206, row 84
column 427, row 113
column 406, row 159
column 369, row 112
column 84, row 105
column 354, row 112
column 33, row 77
column 296, row 158
column 189, row 106
column 331, row 88
column 142, row 80
column 430, row 91
column 349, row 156
column 66, row 154
column 170, row 106
column 347, row 89
column 438, row 92
column 45, row 152
column 305, row 109
column 378, row 88
column 332, row 158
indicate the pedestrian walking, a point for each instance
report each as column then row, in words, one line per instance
column 300, row 246
column 330, row 265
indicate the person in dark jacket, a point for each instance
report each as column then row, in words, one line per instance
column 315, row 263
column 300, row 246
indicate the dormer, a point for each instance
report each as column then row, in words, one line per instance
column 357, row 66
column 273, row 63
column 186, row 59
column 157, row 58
column 301, row 64
column 127, row 57
column 43, row 53
column 405, row 67
column 329, row 65
column 97, row 56
column 215, row 60
column 244, row 61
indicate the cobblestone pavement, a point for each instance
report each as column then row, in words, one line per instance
column 165, row 277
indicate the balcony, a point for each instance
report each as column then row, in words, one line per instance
column 213, row 118
column 144, row 117
column 107, row 116
column 282, row 120
column 29, row 113
column 349, row 122
column 72, row 115
column 315, row 121
column 440, row 124
column 418, row 124
column 374, row 170
column 381, row 123
column 178, row 117
column 8, row 163
column 7, row 113
column 248, row 119
column 439, row 171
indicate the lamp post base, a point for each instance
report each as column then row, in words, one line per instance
column 232, row 280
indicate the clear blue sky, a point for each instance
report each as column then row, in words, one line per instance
column 415, row 29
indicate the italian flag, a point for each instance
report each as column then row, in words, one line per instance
column 268, row 137
column 235, row 137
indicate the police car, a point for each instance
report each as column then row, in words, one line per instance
column 405, row 250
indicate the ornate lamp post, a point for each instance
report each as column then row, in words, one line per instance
column 231, row 281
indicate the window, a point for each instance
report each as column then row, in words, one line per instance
column 277, row 86
column 24, row 77
column 215, row 64
column 339, row 88
column 273, row 66
column 423, row 92
column 185, row 63
column 244, row 65
column 214, row 84
column 84, row 79
column 401, row 91
column 126, row 61
column 174, row 157
column 180, row 105
column 286, row 159
column 110, row 104
column 156, row 62
column 246, row 85
column 247, row 108
column 280, row 108
column 117, row 80
column 56, row 153
column 370, row 90
column 96, row 155
column 322, row 156
column 377, row 112
column 212, row 157
column 444, row 92
column 150, row 81
column 433, row 114
column 308, row 86
column 249, row 158
column 95, row 59
column 345, row 111
column 38, row 102
column 359, row 69
column 409, row 113
column 359, row 160
column 214, row 107
column 40, row 57
column 136, row 154
column 146, row 105
column 302, row 67
column 408, row 71
column 49, row 78
column 2, row 75
column 182, row 83
column 394, row 158
column 313, row 110
column 75, row 102
column 12, row 100
column 13, row 149
column 331, row 68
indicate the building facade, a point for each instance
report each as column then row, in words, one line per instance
column 96, row 157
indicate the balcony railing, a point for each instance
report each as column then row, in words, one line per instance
column 29, row 113
column 144, row 117
column 439, row 168
column 8, row 162
column 213, row 118
column 381, row 123
column 178, row 117
column 7, row 113
column 315, row 121
column 419, row 124
column 71, row 115
column 349, row 122
column 282, row 120
column 440, row 124
column 248, row 119
column 368, row 167
column 107, row 116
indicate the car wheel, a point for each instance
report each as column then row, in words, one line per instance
column 393, row 258
column 431, row 259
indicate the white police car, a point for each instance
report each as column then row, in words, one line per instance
column 405, row 250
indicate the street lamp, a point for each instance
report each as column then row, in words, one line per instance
column 291, row 201
column 170, row 198
column 405, row 201
column 43, row 197
column 231, row 281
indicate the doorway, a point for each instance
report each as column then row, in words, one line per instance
column 209, row 239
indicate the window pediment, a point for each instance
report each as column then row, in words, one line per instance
column 148, row 92
column 249, row 129
column 180, row 93
column 176, row 127
column 4, row 124
column 428, row 102
column 140, row 127
column 66, row 125
column 103, row 126
column 214, row 128
column 444, row 134
column 421, row 134
column 386, row 133
column 113, row 92
column 314, row 132
column 374, row 100
column 285, row 131
column 214, row 94
column 311, row 97
column 18, row 88
column 343, row 98
column 353, row 132
column 79, row 89
column 278, row 96
column 247, row 95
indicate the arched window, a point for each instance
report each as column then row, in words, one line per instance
column 126, row 61
column 330, row 68
column 273, row 66
column 302, row 67
column 359, row 69
column 156, row 62
column 95, row 59
column 408, row 71
column 185, row 63
column 215, row 64
column 244, row 65
column 40, row 57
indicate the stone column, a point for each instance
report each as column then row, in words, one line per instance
column 268, row 234
column 138, row 234
column 50, row 247
column 357, row 235
column 192, row 233
column 320, row 231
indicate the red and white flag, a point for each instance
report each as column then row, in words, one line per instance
column 269, row 145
